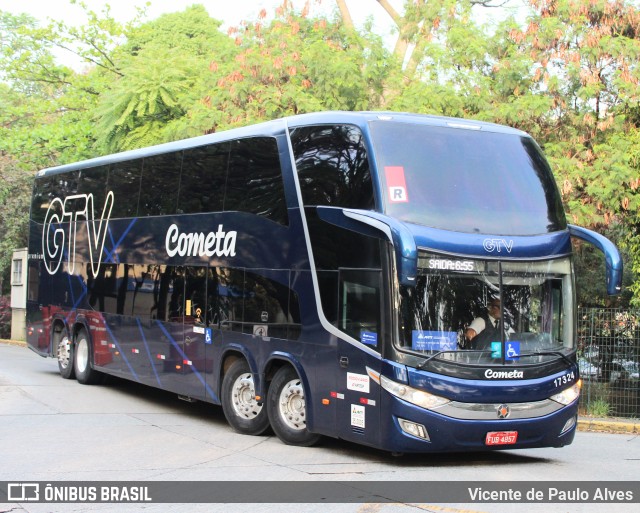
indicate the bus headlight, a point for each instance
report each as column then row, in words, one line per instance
column 412, row 395
column 568, row 395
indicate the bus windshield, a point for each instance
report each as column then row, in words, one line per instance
column 536, row 301
column 472, row 181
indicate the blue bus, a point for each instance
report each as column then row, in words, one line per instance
column 396, row 280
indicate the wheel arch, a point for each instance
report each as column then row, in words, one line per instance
column 58, row 325
column 229, row 356
column 275, row 362
column 82, row 324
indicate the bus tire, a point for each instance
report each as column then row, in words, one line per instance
column 243, row 413
column 287, row 409
column 64, row 353
column 85, row 374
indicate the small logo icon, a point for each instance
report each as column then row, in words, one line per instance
column 513, row 351
column 23, row 492
column 503, row 411
column 497, row 245
column 260, row 330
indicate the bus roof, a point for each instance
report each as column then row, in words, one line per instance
column 270, row 128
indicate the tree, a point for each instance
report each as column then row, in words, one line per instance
column 290, row 65
column 162, row 70
column 585, row 57
column 15, row 193
column 50, row 119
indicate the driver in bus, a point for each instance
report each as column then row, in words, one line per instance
column 485, row 329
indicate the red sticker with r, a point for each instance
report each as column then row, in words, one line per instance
column 396, row 184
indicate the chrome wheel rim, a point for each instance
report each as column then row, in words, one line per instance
column 64, row 352
column 292, row 406
column 243, row 397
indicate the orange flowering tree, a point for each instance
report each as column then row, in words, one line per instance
column 291, row 64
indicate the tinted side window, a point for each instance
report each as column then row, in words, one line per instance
column 160, row 184
column 333, row 168
column 349, row 270
column 255, row 181
column 102, row 291
column 46, row 189
column 266, row 305
column 43, row 193
column 124, row 181
column 258, row 304
column 203, row 179
column 94, row 181
column 231, row 303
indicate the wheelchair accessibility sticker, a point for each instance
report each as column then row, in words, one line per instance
column 512, row 351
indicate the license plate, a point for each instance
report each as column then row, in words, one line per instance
column 501, row 438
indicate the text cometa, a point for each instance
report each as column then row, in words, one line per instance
column 198, row 244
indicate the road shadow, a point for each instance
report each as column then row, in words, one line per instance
column 213, row 413
column 433, row 460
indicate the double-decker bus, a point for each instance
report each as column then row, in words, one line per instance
column 318, row 275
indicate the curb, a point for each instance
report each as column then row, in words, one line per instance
column 13, row 342
column 608, row 426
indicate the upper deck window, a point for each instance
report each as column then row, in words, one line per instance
column 160, row 184
column 242, row 175
column 333, row 168
column 124, row 182
column 203, row 179
column 472, row 181
column 254, row 182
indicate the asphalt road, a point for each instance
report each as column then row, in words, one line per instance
column 54, row 430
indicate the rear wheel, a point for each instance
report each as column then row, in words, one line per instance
column 243, row 413
column 82, row 360
column 288, row 409
column 64, row 352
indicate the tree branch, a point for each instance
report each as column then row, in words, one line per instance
column 391, row 11
column 345, row 14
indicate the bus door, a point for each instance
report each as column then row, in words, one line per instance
column 178, row 344
column 197, row 343
column 359, row 315
column 39, row 312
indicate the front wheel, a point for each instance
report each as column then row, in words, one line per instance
column 243, row 413
column 82, row 361
column 288, row 410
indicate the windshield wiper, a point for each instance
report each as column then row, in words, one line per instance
column 549, row 353
column 424, row 364
column 428, row 359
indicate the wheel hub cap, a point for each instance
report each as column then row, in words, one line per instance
column 292, row 405
column 244, row 397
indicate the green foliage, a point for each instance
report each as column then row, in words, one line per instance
column 137, row 107
column 163, row 68
column 599, row 408
column 290, row 65
column 15, row 195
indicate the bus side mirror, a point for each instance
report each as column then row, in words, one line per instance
column 380, row 226
column 611, row 255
